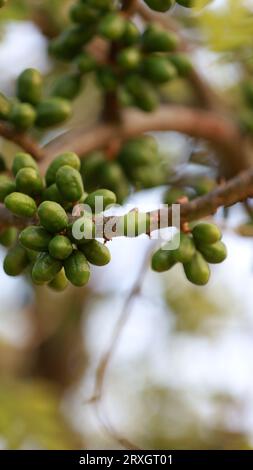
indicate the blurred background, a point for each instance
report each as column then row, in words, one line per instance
column 180, row 373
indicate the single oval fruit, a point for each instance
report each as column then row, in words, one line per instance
column 158, row 69
column 77, row 269
column 52, row 111
column 60, row 247
column 15, row 261
column 157, row 39
column 205, row 233
column 59, row 282
column 67, row 86
column 86, row 63
column 69, row 182
column 96, row 253
column 7, row 186
column 197, row 270
column 112, row 26
column 21, row 204
column 8, row 236
column 45, row 268
column 29, row 86
column 186, row 250
column 99, row 200
column 67, row 158
column 52, row 216
column 28, row 181
column 129, row 58
column 52, row 193
column 162, row 260
column 35, row 238
column 215, row 253
column 23, row 160
column 143, row 92
column 22, row 116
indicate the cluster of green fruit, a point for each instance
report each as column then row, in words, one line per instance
column 165, row 5
column 195, row 251
column 138, row 163
column 136, row 63
column 47, row 244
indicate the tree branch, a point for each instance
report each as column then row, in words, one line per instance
column 220, row 131
column 22, row 139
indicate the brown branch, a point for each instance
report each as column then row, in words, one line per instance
column 22, row 139
column 220, row 131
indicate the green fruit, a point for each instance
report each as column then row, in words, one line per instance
column 182, row 64
column 149, row 176
column 112, row 26
column 136, row 152
column 21, row 204
column 5, row 107
column 131, row 34
column 204, row 185
column 112, row 177
column 8, row 236
column 83, row 14
column 45, row 268
column 197, row 270
column 96, row 253
column 135, row 223
column 60, row 247
column 157, row 39
column 144, row 94
column 206, row 233
column 158, row 70
column 129, row 59
column 186, row 250
column 52, row 111
column 52, row 216
column 23, row 160
column 60, row 282
column 22, row 116
column 160, row 5
column 174, row 194
column 86, row 63
column 35, row 238
column 82, row 230
column 162, row 260
column 101, row 5
column 52, row 193
column 7, row 186
column 77, row 269
column 15, row 261
column 214, row 253
column 106, row 78
column 29, row 86
column 67, row 158
column 28, row 181
column 99, row 200
column 70, row 184
column 70, row 42
column 67, row 86
column 90, row 169
column 32, row 255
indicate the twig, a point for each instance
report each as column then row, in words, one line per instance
column 22, row 139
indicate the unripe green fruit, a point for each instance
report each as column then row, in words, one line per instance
column 52, row 111
column 144, row 94
column 140, row 151
column 23, row 160
column 35, row 238
column 67, row 158
column 77, row 269
column 158, row 70
column 7, row 186
column 28, row 181
column 8, row 236
column 108, row 198
column 129, row 58
column 29, row 86
column 5, row 107
column 52, row 193
column 96, row 253
column 32, row 255
column 21, row 204
column 182, row 64
column 85, row 63
column 45, row 268
column 149, row 176
column 157, row 39
column 70, row 42
column 112, row 26
column 60, row 282
column 131, row 34
column 69, row 182
column 100, row 4
column 174, row 194
column 206, row 233
column 204, row 186
column 90, row 169
column 185, row 252
column 22, row 116
column 67, row 86
column 60, row 247
column 111, row 176
column 106, row 78
column 15, row 261
column 197, row 270
column 160, row 5
column 214, row 253
column 136, row 223
column 83, row 14
column 162, row 260
column 52, row 216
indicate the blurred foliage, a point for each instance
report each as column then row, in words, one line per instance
column 30, row 417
